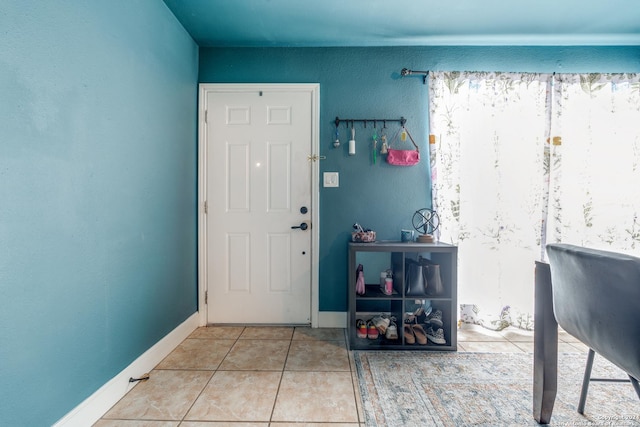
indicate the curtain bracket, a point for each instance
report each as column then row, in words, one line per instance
column 407, row 72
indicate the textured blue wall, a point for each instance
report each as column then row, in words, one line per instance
column 98, row 179
column 366, row 83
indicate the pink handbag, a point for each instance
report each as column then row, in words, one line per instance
column 404, row 157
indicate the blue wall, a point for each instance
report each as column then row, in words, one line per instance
column 366, row 83
column 98, row 179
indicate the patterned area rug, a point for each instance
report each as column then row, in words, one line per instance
column 484, row 389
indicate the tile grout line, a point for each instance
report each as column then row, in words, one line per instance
column 284, row 366
column 210, row 378
column 356, row 383
column 351, row 364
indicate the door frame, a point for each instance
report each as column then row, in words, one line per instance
column 205, row 89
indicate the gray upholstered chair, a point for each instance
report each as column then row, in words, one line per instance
column 596, row 298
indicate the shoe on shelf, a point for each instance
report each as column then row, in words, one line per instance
column 435, row 318
column 419, row 315
column 372, row 331
column 381, row 322
column 420, row 334
column 436, row 335
column 409, row 338
column 361, row 328
column 392, row 330
column 427, row 310
column 422, row 317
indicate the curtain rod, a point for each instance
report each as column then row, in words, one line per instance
column 407, row 72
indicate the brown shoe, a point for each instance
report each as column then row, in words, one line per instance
column 421, row 335
column 409, row 337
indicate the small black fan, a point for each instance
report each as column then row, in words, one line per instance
column 426, row 222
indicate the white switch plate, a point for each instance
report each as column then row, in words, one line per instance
column 331, row 179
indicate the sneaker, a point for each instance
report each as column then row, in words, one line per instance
column 392, row 331
column 372, row 331
column 435, row 318
column 361, row 328
column 436, row 336
column 381, row 322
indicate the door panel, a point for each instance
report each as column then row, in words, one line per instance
column 279, row 253
column 239, row 263
column 279, row 185
column 238, row 192
column 258, row 178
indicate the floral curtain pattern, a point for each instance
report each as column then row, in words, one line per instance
column 594, row 174
column 519, row 160
column 490, row 130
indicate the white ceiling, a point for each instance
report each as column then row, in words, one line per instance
column 313, row 23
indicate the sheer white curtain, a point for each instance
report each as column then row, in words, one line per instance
column 488, row 134
column 594, row 177
column 519, row 160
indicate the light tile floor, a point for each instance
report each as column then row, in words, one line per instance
column 271, row 377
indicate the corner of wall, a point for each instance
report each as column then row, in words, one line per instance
column 96, row 405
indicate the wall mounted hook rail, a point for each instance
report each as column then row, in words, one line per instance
column 338, row 120
column 407, row 72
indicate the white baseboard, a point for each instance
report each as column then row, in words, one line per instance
column 96, row 405
column 332, row 319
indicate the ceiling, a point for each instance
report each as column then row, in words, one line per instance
column 315, row 23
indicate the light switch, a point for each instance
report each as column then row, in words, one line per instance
column 331, row 179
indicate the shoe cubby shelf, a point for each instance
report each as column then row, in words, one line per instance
column 379, row 256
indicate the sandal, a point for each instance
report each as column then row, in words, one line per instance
column 361, row 328
column 420, row 315
column 372, row 331
column 409, row 337
column 419, row 332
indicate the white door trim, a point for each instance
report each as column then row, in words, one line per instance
column 205, row 89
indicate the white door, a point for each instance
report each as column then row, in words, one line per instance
column 258, row 188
